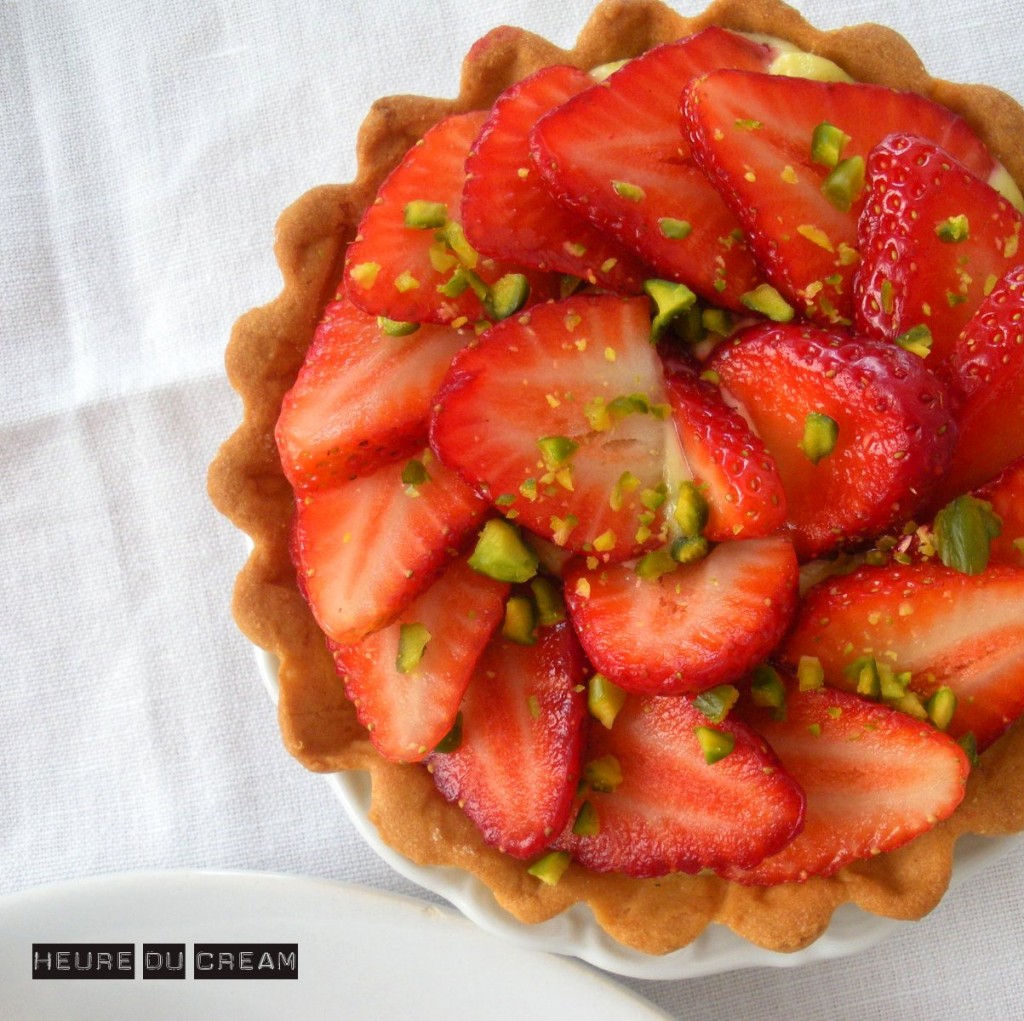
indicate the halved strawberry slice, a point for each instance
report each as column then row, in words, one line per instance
column 362, row 397
column 874, row 779
column 945, row 628
column 516, row 769
column 673, row 811
column 752, row 135
column 559, row 417
column 408, row 699
column 365, row 548
column 987, row 368
column 1006, row 494
column 934, row 239
column 508, row 212
column 699, row 625
column 615, row 154
column 859, row 429
column 410, row 261
column 737, row 475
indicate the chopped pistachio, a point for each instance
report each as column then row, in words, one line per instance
column 364, row 274
column 767, row 689
column 406, row 282
column 964, row 530
column 548, row 598
column 507, row 295
column 520, row 624
column 604, row 699
column 652, row 566
column 414, row 473
column 941, row 707
column 395, row 328
column 603, row 774
column 587, row 823
column 671, row 300
column 716, row 702
column 412, row 643
column 453, row 739
column 452, row 235
column 674, row 230
column 918, row 340
column 551, row 867
column 715, row 744
column 953, row 230
column 809, row 673
column 820, row 435
column 688, row 549
column 425, row 215
column 556, row 451
column 691, row 509
column 501, row 553
column 827, row 143
column 630, row 192
column 844, row 184
column 768, row 302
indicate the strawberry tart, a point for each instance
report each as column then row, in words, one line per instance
column 634, row 462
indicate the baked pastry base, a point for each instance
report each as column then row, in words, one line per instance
column 319, row 725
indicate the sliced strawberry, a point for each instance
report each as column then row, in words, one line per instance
column 874, row 779
column 361, row 399
column 702, row 624
column 526, row 416
column 408, row 711
column 365, row 548
column 1006, row 494
column 895, row 434
column 615, row 154
column 508, row 212
column 945, row 628
column 752, row 135
column 516, row 769
column 738, row 476
column 675, row 812
column 411, row 273
column 988, row 369
column 934, row 239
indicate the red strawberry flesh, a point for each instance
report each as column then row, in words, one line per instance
column 703, row 624
column 675, row 812
column 515, row 772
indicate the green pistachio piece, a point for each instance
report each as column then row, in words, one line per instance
column 964, row 530
column 715, row 744
column 671, row 300
column 453, row 739
column 827, row 142
column 520, row 625
column 844, row 183
column 716, row 702
column 603, row 774
column 587, row 823
column 674, row 230
column 941, row 707
column 953, row 230
column 551, row 867
column 691, row 509
column 502, row 554
column 767, row 301
column 425, row 215
column 653, row 565
column 604, row 699
column 549, row 601
column 688, row 549
column 556, row 451
column 414, row 473
column 820, row 435
column 412, row 643
column 767, row 689
column 395, row 328
column 809, row 673
column 917, row 340
column 507, row 295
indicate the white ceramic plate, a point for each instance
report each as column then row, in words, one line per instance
column 576, row 933
column 361, row 954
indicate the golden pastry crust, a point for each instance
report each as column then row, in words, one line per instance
column 318, row 723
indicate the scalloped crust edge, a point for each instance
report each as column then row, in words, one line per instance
column 245, row 482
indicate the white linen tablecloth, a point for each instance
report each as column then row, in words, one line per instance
column 145, row 152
